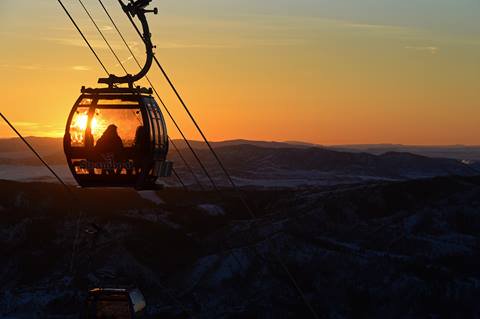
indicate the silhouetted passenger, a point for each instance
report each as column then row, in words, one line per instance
column 141, row 149
column 142, row 140
column 109, row 149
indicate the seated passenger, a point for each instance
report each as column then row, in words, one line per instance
column 109, row 148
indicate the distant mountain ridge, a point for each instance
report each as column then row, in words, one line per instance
column 265, row 163
column 48, row 144
column 262, row 162
column 461, row 152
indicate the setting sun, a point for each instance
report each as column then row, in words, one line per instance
column 82, row 122
column 79, row 126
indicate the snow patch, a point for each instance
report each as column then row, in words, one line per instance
column 212, row 210
column 25, row 173
column 154, row 216
column 151, row 196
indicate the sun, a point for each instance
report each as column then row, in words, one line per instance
column 79, row 127
column 82, row 122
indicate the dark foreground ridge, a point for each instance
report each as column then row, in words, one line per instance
column 383, row 250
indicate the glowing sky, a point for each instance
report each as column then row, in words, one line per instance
column 323, row 71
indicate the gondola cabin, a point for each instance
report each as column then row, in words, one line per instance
column 117, row 137
column 114, row 303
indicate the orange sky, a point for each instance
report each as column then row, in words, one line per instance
column 328, row 72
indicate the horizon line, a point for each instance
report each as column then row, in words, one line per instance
column 291, row 142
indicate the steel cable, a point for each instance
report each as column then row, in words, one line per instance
column 197, row 158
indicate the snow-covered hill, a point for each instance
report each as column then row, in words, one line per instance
column 385, row 250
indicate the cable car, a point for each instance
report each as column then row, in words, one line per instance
column 116, row 136
column 114, row 303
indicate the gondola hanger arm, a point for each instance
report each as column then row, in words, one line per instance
column 135, row 9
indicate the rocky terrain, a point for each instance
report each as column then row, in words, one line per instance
column 402, row 249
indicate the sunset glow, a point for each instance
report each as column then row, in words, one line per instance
column 328, row 72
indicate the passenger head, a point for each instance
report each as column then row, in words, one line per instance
column 140, row 133
column 111, row 131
